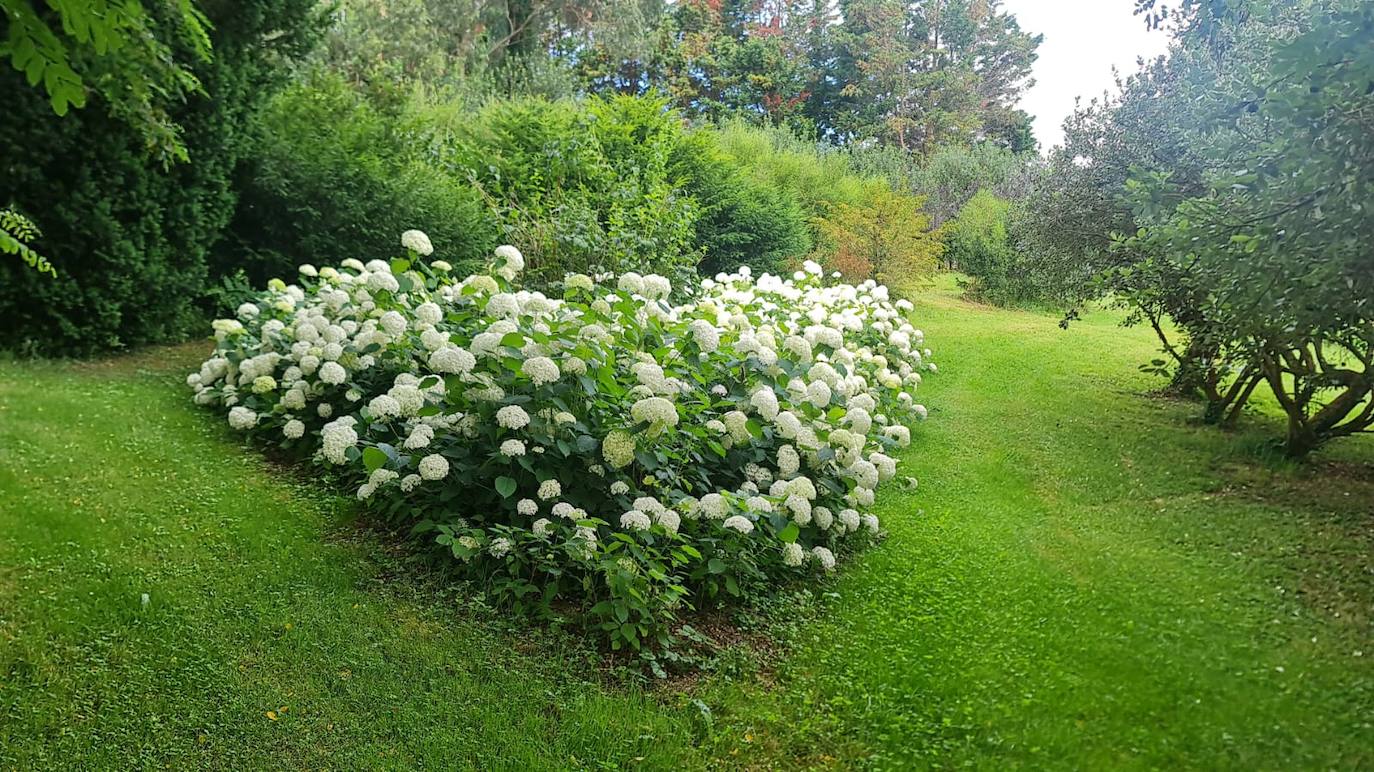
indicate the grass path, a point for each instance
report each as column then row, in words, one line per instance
column 1089, row 581
column 261, row 599
column 1084, row 579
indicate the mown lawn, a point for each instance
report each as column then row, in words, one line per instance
column 1084, row 579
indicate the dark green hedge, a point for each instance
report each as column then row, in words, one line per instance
column 129, row 237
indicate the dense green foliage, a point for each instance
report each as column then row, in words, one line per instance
column 864, row 214
column 817, row 177
column 591, row 185
column 915, row 74
column 618, row 183
column 139, row 61
column 581, row 187
column 741, row 220
column 976, row 243
column 911, row 74
column 954, row 174
column 128, row 236
column 334, row 176
column 504, row 47
column 1071, row 552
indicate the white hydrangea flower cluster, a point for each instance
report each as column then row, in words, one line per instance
column 567, row 420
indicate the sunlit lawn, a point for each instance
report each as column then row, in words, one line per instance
column 1083, row 579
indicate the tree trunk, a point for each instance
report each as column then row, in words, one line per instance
column 1301, row 439
column 1192, row 377
column 1233, row 416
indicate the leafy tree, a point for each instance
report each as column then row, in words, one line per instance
column 953, row 174
column 719, row 59
column 887, row 237
column 1276, row 248
column 583, row 189
column 615, row 183
column 925, row 73
column 1224, row 195
column 477, row 48
column 1077, row 203
column 815, row 175
column 913, row 74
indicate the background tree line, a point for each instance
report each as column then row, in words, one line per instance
column 165, row 155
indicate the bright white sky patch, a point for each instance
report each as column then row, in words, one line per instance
column 1084, row 39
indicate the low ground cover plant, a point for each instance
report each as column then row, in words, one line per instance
column 609, row 450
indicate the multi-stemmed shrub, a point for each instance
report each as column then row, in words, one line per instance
column 604, row 450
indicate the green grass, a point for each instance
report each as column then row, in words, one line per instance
column 1084, row 579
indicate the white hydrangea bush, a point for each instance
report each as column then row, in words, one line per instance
column 606, row 447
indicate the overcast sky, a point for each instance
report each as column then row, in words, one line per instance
column 1083, row 40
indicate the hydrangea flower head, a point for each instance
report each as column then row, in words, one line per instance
column 417, row 242
column 242, row 418
column 739, row 523
column 541, row 370
column 825, row 557
column 511, row 262
column 433, row 467
column 333, row 373
column 618, row 449
column 512, row 417
column 550, row 489
column 656, row 411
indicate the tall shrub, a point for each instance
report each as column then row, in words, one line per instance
column 336, row 175
column 597, row 184
column 860, row 225
column 977, row 242
column 740, row 221
column 886, row 236
column 815, row 175
column 580, row 186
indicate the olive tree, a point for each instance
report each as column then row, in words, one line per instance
column 1277, row 249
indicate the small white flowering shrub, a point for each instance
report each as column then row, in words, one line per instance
column 605, row 448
